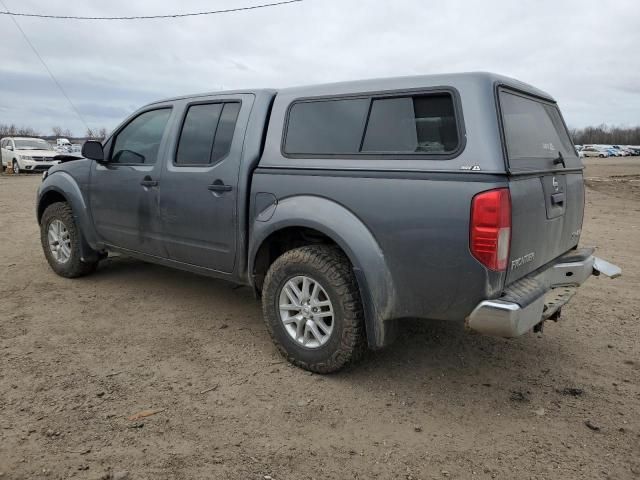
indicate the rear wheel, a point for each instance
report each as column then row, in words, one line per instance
column 60, row 238
column 312, row 308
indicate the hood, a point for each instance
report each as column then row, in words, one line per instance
column 67, row 157
column 37, row 153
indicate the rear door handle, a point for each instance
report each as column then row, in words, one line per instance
column 148, row 182
column 557, row 198
column 220, row 187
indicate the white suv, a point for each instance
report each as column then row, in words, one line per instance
column 27, row 154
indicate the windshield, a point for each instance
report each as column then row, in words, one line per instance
column 32, row 144
column 535, row 134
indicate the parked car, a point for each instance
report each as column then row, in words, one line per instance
column 63, row 145
column 27, row 154
column 615, row 152
column 347, row 207
column 594, row 152
column 635, row 150
column 621, row 150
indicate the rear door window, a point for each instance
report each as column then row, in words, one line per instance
column 207, row 133
column 535, row 134
column 225, row 131
column 198, row 132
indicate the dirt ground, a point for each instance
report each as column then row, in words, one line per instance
column 78, row 357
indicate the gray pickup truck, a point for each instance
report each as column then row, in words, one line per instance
column 347, row 207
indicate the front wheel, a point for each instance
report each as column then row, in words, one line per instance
column 60, row 238
column 312, row 308
column 16, row 167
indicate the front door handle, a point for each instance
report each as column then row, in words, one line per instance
column 218, row 186
column 148, row 182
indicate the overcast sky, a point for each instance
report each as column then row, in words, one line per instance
column 586, row 53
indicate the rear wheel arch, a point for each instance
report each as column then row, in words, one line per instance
column 359, row 247
column 281, row 241
column 302, row 220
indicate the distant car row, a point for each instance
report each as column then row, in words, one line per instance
column 26, row 154
column 604, row 151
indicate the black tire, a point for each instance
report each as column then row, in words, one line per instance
column 16, row 167
column 74, row 266
column 328, row 266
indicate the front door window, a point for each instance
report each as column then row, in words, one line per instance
column 138, row 143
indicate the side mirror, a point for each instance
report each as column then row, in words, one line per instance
column 9, row 147
column 92, row 149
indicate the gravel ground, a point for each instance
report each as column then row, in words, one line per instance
column 78, row 358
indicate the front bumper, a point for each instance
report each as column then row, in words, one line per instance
column 33, row 166
column 538, row 297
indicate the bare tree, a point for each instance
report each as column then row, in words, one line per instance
column 57, row 131
column 12, row 131
column 97, row 134
column 27, row 132
column 606, row 135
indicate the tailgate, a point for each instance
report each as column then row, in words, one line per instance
column 546, row 183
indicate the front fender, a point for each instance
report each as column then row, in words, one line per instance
column 354, row 238
column 61, row 183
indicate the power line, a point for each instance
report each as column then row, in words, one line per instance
column 147, row 17
column 55, row 80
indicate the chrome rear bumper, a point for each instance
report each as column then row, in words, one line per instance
column 538, row 297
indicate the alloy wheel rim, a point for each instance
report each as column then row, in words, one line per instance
column 59, row 241
column 306, row 311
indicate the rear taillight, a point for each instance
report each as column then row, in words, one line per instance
column 490, row 230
